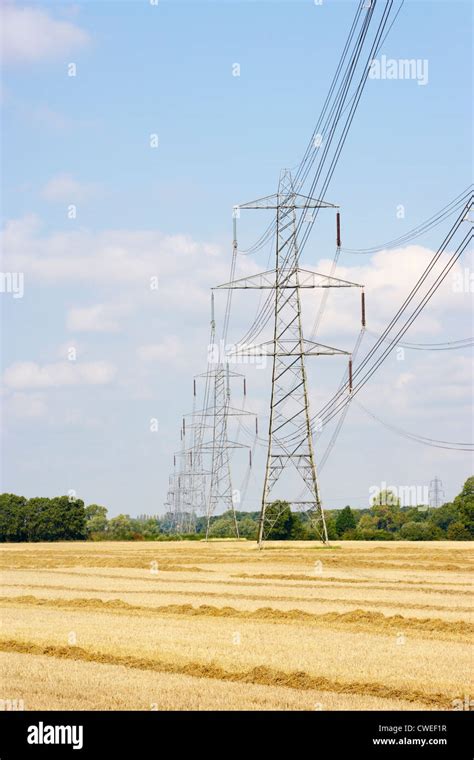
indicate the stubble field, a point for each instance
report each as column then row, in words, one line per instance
column 196, row 626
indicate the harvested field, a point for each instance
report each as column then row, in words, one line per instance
column 190, row 625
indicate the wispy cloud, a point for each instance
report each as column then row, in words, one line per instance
column 65, row 188
column 31, row 34
column 27, row 406
column 27, row 374
column 169, row 349
column 97, row 318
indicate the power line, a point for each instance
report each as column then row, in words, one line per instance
column 451, row 345
column 420, row 229
column 336, row 403
column 451, row 445
column 335, row 112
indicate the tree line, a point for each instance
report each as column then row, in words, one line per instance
column 64, row 518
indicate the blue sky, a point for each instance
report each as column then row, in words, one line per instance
column 141, row 212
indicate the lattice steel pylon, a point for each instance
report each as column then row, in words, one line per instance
column 220, row 491
column 216, row 445
column 204, row 482
column 436, row 493
column 184, row 493
column 290, row 435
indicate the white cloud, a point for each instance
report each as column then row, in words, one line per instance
column 404, row 379
column 32, row 375
column 186, row 269
column 63, row 187
column 98, row 318
column 445, row 388
column 32, row 34
column 77, row 418
column 27, row 406
column 170, row 348
column 388, row 277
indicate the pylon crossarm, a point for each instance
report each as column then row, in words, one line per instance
column 218, row 371
column 324, row 281
column 310, row 349
column 260, row 280
column 228, row 445
column 289, row 201
column 231, row 412
column 295, row 277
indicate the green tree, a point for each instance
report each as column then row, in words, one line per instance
column 331, row 527
column 385, row 498
column 222, row 527
column 279, row 516
column 387, row 516
column 345, row 520
column 464, row 504
column 57, row 519
column 367, row 522
column 12, row 517
column 248, row 528
column 458, row 532
column 96, row 519
column 121, row 528
column 442, row 517
column 150, row 528
column 413, row 514
column 419, row 531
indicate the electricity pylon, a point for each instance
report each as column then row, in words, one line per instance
column 221, row 492
column 186, row 491
column 207, row 488
column 289, row 435
column 436, row 493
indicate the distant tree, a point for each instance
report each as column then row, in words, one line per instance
column 413, row 514
column 279, row 516
column 57, row 519
column 121, row 528
column 302, row 529
column 385, row 498
column 222, row 527
column 345, row 521
column 387, row 516
column 419, row 531
column 150, row 528
column 331, row 527
column 248, row 528
column 168, row 524
column 367, row 522
column 12, row 517
column 458, row 532
column 442, row 517
column 96, row 519
column 464, row 504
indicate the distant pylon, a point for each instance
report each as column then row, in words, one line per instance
column 218, row 445
column 203, row 482
column 183, row 497
column 436, row 493
column 221, row 491
column 290, row 436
